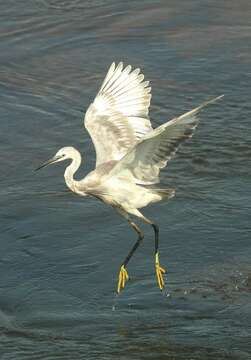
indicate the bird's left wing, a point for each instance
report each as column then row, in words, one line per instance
column 142, row 164
column 118, row 117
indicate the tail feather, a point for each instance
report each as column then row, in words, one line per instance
column 164, row 193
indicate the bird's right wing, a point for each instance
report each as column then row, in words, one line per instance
column 118, row 117
column 143, row 162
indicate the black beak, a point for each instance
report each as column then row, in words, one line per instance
column 49, row 162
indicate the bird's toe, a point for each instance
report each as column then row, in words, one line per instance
column 159, row 272
column 123, row 278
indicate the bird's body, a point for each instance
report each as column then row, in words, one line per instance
column 129, row 152
column 111, row 190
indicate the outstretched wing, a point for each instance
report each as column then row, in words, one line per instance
column 118, row 117
column 142, row 164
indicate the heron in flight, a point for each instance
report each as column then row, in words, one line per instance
column 129, row 153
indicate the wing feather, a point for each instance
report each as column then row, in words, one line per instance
column 118, row 117
column 142, row 164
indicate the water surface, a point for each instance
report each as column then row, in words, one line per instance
column 60, row 254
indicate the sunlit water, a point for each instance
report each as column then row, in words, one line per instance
column 60, row 254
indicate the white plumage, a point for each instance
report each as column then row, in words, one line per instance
column 129, row 152
column 118, row 117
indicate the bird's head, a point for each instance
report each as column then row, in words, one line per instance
column 67, row 152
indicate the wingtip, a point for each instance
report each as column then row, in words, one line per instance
column 197, row 109
column 217, row 98
column 210, row 101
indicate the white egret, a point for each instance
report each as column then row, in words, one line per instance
column 129, row 153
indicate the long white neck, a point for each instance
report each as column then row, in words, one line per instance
column 71, row 169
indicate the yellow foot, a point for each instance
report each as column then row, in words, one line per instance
column 123, row 277
column 159, row 272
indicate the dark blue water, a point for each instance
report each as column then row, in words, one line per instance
column 60, row 254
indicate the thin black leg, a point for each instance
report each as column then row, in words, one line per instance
column 136, row 245
column 156, row 233
column 159, row 269
column 123, row 275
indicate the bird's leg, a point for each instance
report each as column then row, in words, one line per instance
column 159, row 269
column 123, row 275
